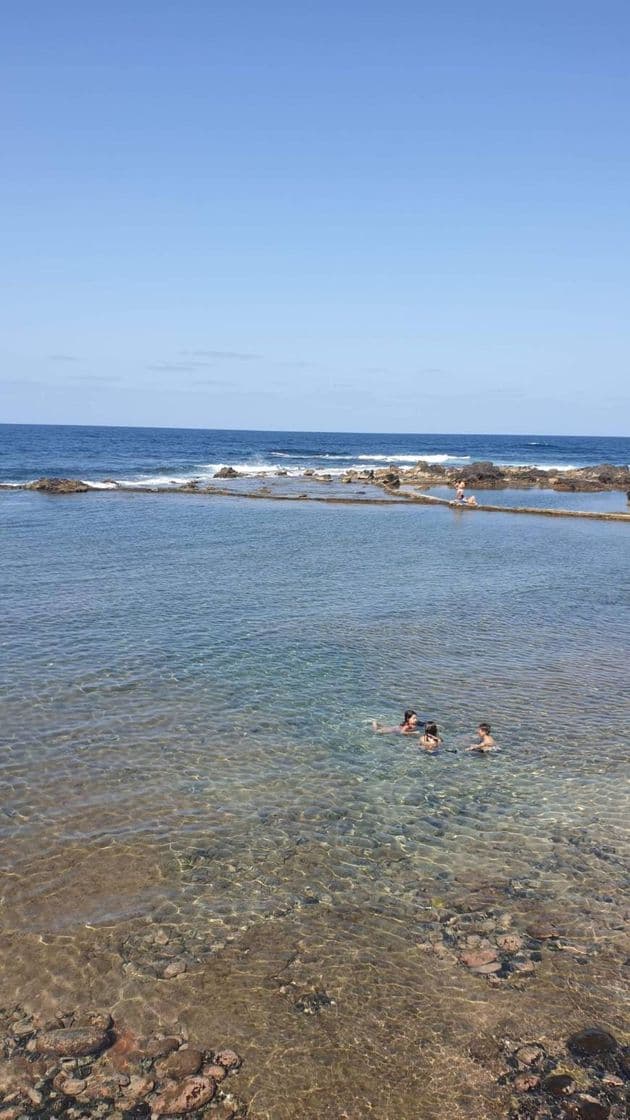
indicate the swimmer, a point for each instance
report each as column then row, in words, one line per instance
column 410, row 725
column 430, row 738
column 486, row 742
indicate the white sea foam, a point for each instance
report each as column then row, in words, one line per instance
column 313, row 455
column 206, row 472
column 548, row 466
column 396, row 458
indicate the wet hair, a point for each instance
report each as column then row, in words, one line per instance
column 485, row 727
column 409, row 712
column 431, row 729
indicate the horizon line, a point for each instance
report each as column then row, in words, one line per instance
column 301, row 431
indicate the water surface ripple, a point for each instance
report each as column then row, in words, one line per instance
column 187, row 692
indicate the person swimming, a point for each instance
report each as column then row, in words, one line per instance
column 430, row 738
column 410, row 725
column 486, row 742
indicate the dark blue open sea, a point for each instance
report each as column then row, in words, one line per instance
column 189, row 770
column 163, row 455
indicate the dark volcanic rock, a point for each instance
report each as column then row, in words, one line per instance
column 481, row 472
column 59, row 485
column 226, row 472
column 591, row 1042
column 558, row 1085
column 586, row 1108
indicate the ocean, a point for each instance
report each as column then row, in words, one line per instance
column 189, row 770
column 161, row 456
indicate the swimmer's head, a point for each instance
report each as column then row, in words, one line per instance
column 485, row 727
column 431, row 729
column 410, row 719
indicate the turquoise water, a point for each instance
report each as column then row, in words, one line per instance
column 186, row 701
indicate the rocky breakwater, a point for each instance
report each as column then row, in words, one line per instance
column 58, row 486
column 84, row 1065
column 490, row 476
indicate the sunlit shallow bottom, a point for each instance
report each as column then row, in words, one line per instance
column 189, row 755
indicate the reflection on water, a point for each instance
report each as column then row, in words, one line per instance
column 188, row 750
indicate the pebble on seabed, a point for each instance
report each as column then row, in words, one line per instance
column 91, row 1068
column 588, row 1087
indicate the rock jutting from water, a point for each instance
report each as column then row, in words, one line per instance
column 490, row 476
column 479, row 475
column 58, row 486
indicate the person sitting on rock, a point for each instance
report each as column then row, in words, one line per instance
column 410, row 725
column 430, row 738
column 471, row 501
column 486, row 742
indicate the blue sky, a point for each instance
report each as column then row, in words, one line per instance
column 351, row 216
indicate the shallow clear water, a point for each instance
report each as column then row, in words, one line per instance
column 187, row 694
column 612, row 501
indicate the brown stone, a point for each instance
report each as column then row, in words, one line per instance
column 542, row 931
column 484, row 1049
column 100, row 1087
column 125, row 1054
column 530, row 1055
column 229, row 1059
column 525, row 966
column 592, row 1040
column 586, row 1108
column 72, row 1043
column 138, row 1088
column 188, row 1096
column 175, row 968
column 216, row 1072
column 183, row 1063
column 525, row 1082
column 158, row 1047
column 510, row 942
column 478, row 958
column 69, row 1086
column 101, row 1020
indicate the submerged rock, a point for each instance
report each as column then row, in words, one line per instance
column 558, row 1085
column 73, row 1042
column 230, row 1060
column 586, row 1108
column 530, row 1055
column 175, row 968
column 183, row 1063
column 158, row 1047
column 592, row 1041
column 479, row 958
column 191, row 1094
